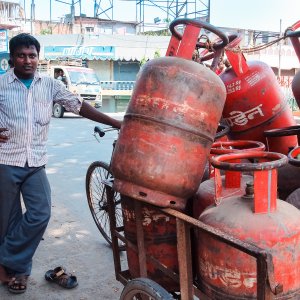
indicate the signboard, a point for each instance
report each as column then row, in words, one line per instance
column 4, row 57
column 83, row 52
column 3, row 41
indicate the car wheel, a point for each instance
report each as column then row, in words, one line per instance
column 58, row 110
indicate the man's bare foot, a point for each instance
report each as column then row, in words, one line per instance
column 3, row 275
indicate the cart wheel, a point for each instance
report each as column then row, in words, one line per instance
column 144, row 289
column 97, row 172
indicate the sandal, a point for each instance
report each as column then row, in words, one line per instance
column 59, row 276
column 18, row 284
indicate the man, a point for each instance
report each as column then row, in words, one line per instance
column 26, row 100
column 60, row 76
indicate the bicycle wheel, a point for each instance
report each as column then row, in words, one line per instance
column 144, row 289
column 97, row 172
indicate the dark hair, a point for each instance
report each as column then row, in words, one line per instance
column 23, row 39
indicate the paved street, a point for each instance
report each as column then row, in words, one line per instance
column 72, row 239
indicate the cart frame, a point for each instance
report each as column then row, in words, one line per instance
column 266, row 286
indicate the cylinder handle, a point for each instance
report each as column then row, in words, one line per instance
column 265, row 175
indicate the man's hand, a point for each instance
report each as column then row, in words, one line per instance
column 3, row 137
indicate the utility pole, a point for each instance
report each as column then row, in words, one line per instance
column 279, row 57
column 32, row 16
column 24, row 6
column 72, row 5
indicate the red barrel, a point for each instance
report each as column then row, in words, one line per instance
column 159, row 239
column 255, row 101
column 259, row 218
column 167, row 132
column 234, row 183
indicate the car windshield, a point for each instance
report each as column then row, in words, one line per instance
column 81, row 77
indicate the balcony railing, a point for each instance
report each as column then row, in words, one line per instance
column 117, row 88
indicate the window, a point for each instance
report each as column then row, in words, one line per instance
column 89, row 29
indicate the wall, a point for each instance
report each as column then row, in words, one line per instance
column 126, row 71
column 103, row 68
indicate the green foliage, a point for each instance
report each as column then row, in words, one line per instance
column 144, row 59
column 156, row 54
column 162, row 32
column 46, row 31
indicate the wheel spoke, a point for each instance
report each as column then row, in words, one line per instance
column 97, row 198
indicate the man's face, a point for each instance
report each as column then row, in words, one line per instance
column 25, row 60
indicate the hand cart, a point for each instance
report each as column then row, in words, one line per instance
column 143, row 288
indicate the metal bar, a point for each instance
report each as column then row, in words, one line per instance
column 184, row 260
column 165, row 270
column 140, row 238
column 263, row 289
column 245, row 247
column 112, row 223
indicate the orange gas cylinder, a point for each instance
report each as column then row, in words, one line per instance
column 168, row 128
column 255, row 101
column 233, row 182
column 288, row 176
column 258, row 218
column 160, row 242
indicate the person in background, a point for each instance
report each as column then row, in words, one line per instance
column 26, row 100
column 59, row 75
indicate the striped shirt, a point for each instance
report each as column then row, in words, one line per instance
column 26, row 113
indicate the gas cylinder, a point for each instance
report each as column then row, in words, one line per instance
column 222, row 132
column 233, row 182
column 258, row 218
column 254, row 102
column 288, row 176
column 169, row 127
column 294, row 161
column 296, row 87
column 160, row 242
column 294, row 36
column 221, row 135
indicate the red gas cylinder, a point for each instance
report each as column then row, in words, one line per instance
column 254, row 102
column 296, row 87
column 259, row 218
column 221, row 135
column 233, row 182
column 169, row 127
column 294, row 36
column 160, row 242
column 288, row 176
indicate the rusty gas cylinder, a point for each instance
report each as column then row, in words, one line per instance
column 259, row 219
column 255, row 101
column 158, row 239
column 234, row 183
column 168, row 129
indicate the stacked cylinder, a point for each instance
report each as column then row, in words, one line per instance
column 167, row 132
